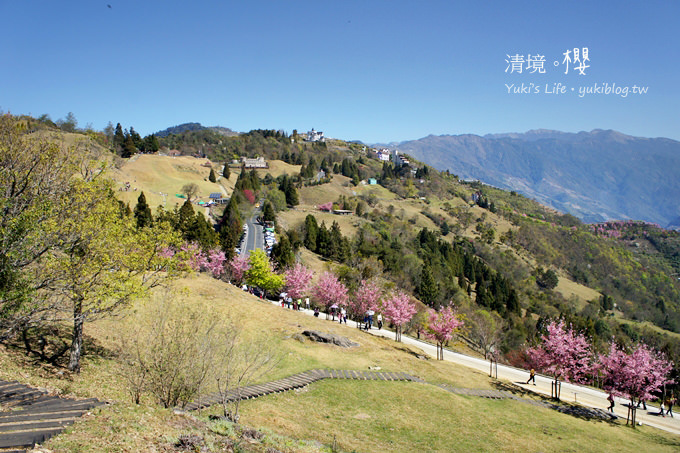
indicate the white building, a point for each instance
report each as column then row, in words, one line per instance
column 315, row 136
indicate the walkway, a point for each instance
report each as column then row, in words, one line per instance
column 31, row 416
column 572, row 393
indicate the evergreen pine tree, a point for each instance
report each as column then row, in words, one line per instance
column 268, row 214
column 212, row 177
column 428, row 290
column 282, row 253
column 185, row 220
column 311, row 232
column 225, row 172
column 143, row 212
column 118, row 139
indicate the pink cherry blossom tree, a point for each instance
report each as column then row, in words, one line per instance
column 298, row 280
column 329, row 290
column 635, row 375
column 399, row 309
column 326, row 206
column 213, row 262
column 238, row 267
column 563, row 354
column 441, row 326
column 366, row 297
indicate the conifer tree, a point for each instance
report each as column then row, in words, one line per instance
column 311, row 232
column 143, row 212
column 212, row 177
column 225, row 172
column 428, row 290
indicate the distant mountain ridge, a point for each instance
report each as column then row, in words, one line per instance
column 598, row 175
column 187, row 127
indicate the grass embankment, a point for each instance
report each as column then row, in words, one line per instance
column 362, row 415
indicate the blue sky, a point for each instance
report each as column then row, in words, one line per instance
column 376, row 71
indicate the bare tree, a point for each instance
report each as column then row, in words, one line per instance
column 243, row 362
column 171, row 351
column 485, row 330
column 190, row 190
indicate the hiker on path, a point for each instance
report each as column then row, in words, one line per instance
column 380, row 322
column 610, row 398
column 532, row 376
column 669, row 404
column 661, row 412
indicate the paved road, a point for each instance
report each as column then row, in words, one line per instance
column 254, row 237
column 583, row 395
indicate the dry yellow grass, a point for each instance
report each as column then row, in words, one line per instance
column 570, row 289
column 163, row 174
column 278, row 168
column 316, row 195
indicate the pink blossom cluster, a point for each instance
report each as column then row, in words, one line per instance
column 238, row 266
column 635, row 375
column 564, row 353
column 298, row 279
column 366, row 297
column 442, row 324
column 326, row 206
column 399, row 308
column 329, row 290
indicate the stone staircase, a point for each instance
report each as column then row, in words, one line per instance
column 30, row 416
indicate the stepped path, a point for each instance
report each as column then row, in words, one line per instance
column 297, row 381
column 303, row 379
column 30, row 416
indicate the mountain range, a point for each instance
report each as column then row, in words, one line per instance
column 598, row 175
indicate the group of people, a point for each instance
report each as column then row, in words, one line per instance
column 287, row 302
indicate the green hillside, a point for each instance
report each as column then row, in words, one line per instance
column 443, row 240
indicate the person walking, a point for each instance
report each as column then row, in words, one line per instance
column 380, row 321
column 610, row 398
column 532, row 376
column 669, row 404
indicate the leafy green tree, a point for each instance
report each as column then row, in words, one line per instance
column 212, row 177
column 35, row 175
column 261, row 273
column 104, row 262
column 226, row 173
column 143, row 212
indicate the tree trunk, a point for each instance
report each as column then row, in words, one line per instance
column 77, row 339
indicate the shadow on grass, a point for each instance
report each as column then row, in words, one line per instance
column 575, row 410
column 50, row 345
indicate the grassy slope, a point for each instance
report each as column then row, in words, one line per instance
column 367, row 416
column 155, row 174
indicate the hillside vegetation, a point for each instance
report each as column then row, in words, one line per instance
column 121, row 283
